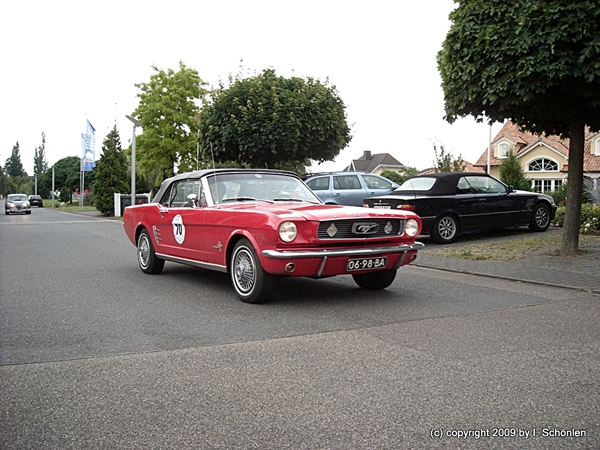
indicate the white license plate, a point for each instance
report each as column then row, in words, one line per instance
column 366, row 264
column 382, row 207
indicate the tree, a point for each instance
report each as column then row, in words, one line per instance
column 536, row 62
column 111, row 173
column 40, row 164
column 264, row 120
column 13, row 166
column 445, row 161
column 168, row 111
column 66, row 176
column 3, row 182
column 398, row 177
column 511, row 173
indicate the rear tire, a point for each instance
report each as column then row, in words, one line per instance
column 147, row 259
column 445, row 229
column 375, row 281
column 251, row 283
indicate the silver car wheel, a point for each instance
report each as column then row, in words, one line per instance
column 244, row 270
column 447, row 228
column 541, row 217
column 143, row 251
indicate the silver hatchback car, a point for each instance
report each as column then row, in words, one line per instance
column 348, row 188
column 17, row 203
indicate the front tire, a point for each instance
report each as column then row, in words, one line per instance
column 251, row 283
column 375, row 281
column 147, row 259
column 540, row 219
column 445, row 229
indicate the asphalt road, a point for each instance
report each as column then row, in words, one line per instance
column 96, row 354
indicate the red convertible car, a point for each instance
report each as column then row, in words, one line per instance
column 260, row 225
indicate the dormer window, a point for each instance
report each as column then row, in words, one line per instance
column 503, row 150
column 596, row 144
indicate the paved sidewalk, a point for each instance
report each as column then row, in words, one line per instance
column 581, row 272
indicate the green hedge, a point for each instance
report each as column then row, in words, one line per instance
column 590, row 217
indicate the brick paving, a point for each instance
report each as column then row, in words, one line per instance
column 580, row 272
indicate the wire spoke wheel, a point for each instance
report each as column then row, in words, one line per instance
column 251, row 283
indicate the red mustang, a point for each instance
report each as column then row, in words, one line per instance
column 258, row 225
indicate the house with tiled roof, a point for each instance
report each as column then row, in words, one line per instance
column 376, row 163
column 545, row 159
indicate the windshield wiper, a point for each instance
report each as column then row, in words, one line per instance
column 238, row 199
column 288, row 200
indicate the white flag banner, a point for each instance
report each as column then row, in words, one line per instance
column 89, row 146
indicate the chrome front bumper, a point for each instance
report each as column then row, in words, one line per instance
column 300, row 254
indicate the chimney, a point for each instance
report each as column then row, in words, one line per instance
column 367, row 156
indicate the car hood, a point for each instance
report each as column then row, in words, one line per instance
column 313, row 212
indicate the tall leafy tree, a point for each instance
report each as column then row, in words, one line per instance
column 263, row 120
column 168, row 111
column 13, row 166
column 111, row 173
column 40, row 164
column 536, row 62
column 511, row 173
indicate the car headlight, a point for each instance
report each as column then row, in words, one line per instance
column 411, row 228
column 288, row 231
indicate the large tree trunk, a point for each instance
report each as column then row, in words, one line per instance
column 570, row 236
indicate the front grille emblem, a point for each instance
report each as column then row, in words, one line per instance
column 388, row 228
column 365, row 228
column 332, row 230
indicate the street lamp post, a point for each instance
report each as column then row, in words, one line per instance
column 136, row 123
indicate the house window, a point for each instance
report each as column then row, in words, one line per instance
column 597, row 147
column 543, row 165
column 503, row 150
column 546, row 185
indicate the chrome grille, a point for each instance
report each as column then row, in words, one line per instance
column 360, row 228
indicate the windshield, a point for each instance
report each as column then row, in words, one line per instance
column 271, row 187
column 16, row 198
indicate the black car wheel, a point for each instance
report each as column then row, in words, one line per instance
column 375, row 281
column 445, row 229
column 147, row 259
column 251, row 283
column 540, row 219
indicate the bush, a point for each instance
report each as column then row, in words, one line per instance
column 590, row 218
column 560, row 195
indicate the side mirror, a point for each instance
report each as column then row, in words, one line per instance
column 509, row 189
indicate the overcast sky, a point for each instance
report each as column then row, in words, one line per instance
column 65, row 62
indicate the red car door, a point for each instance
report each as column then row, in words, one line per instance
column 179, row 223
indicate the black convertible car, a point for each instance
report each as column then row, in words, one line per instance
column 450, row 203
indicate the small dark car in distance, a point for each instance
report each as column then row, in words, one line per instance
column 36, row 200
column 450, row 203
column 16, row 203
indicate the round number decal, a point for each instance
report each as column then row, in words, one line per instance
column 178, row 229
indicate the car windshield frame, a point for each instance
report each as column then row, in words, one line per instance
column 234, row 187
